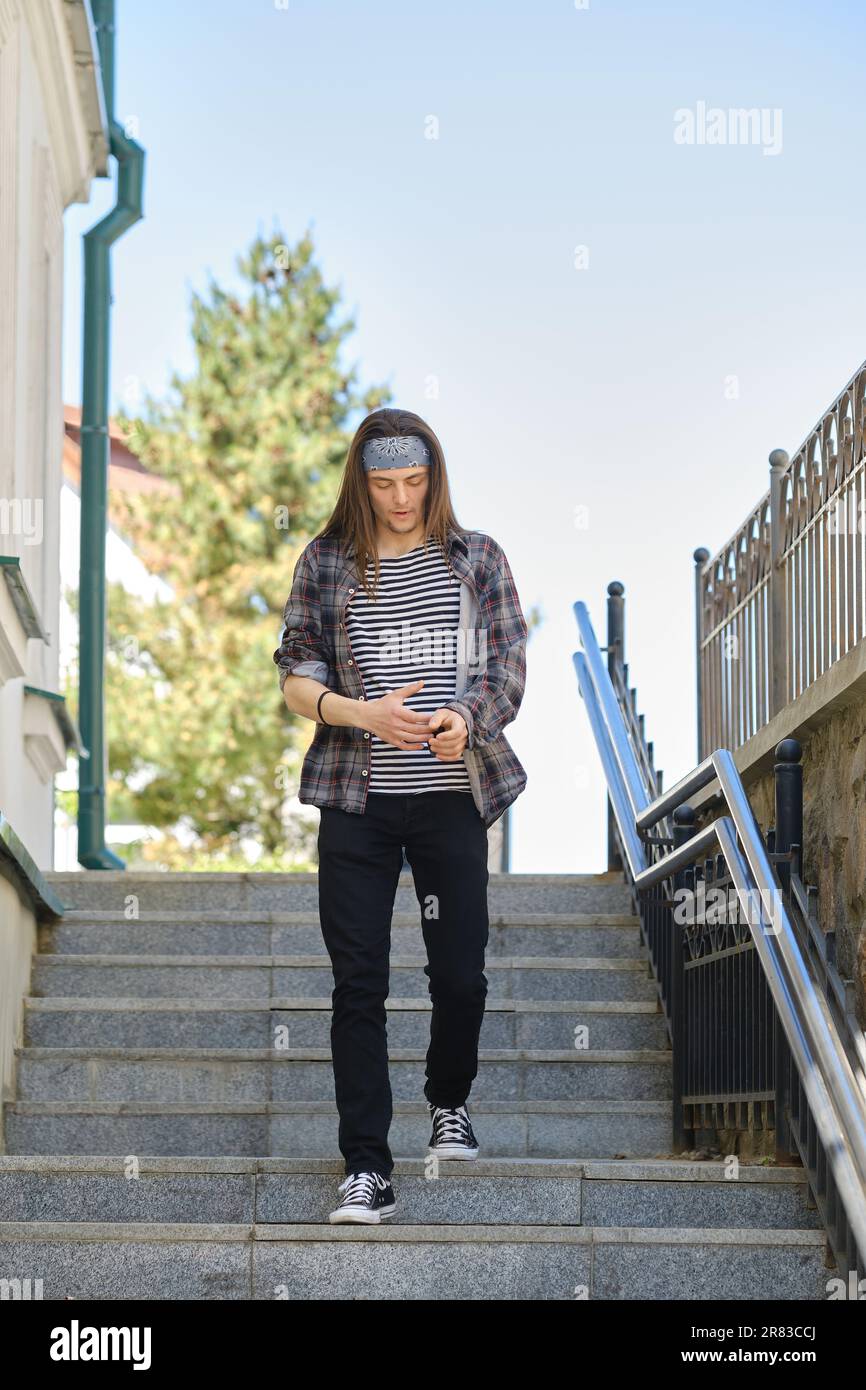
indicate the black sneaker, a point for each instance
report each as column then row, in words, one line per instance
column 367, row 1197
column 452, row 1135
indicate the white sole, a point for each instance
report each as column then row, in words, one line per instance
column 359, row 1216
column 445, row 1152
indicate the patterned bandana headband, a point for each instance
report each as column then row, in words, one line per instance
column 396, row 451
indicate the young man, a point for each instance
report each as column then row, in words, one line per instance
column 404, row 639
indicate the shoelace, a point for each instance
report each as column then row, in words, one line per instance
column 450, row 1126
column 358, row 1187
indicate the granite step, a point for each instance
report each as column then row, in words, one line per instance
column 175, row 1079
column 154, row 892
column 266, row 1261
column 232, row 1075
column 308, row 1129
column 299, row 933
column 577, row 1192
column 245, row 1023
column 257, row 977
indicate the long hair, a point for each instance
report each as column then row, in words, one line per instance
column 353, row 520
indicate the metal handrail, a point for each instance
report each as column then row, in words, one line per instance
column 835, row 1092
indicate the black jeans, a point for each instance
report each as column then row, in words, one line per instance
column 360, row 857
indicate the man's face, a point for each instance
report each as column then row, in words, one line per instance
column 397, row 497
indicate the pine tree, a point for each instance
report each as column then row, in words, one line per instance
column 251, row 444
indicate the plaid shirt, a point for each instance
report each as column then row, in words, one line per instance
column 336, row 768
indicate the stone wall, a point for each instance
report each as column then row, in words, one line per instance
column 17, row 946
column 834, row 831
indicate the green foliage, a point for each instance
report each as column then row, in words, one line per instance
column 167, row 853
column 249, row 449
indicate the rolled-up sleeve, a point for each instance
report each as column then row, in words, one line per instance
column 302, row 651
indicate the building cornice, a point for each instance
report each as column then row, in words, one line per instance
column 66, row 57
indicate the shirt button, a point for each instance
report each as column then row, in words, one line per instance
column 363, row 772
column 366, row 735
column 360, row 697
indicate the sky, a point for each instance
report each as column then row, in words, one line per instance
column 609, row 316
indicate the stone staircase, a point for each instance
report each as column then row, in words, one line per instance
column 173, row 1132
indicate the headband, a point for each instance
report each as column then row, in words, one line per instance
column 396, row 451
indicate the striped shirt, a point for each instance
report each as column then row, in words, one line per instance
column 409, row 633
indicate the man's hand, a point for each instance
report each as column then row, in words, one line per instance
column 448, row 746
column 391, row 721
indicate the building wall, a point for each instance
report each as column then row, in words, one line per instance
column 46, row 162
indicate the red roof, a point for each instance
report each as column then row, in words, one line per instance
column 126, row 473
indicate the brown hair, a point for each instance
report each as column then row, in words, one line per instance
column 353, row 520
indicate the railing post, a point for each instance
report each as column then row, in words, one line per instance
column 777, row 614
column 789, row 835
column 615, row 662
column 788, row 772
column 700, row 558
column 682, row 1138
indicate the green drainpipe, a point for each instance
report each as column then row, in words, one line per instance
column 92, row 850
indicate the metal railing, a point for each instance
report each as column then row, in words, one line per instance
column 760, row 1023
column 785, row 598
